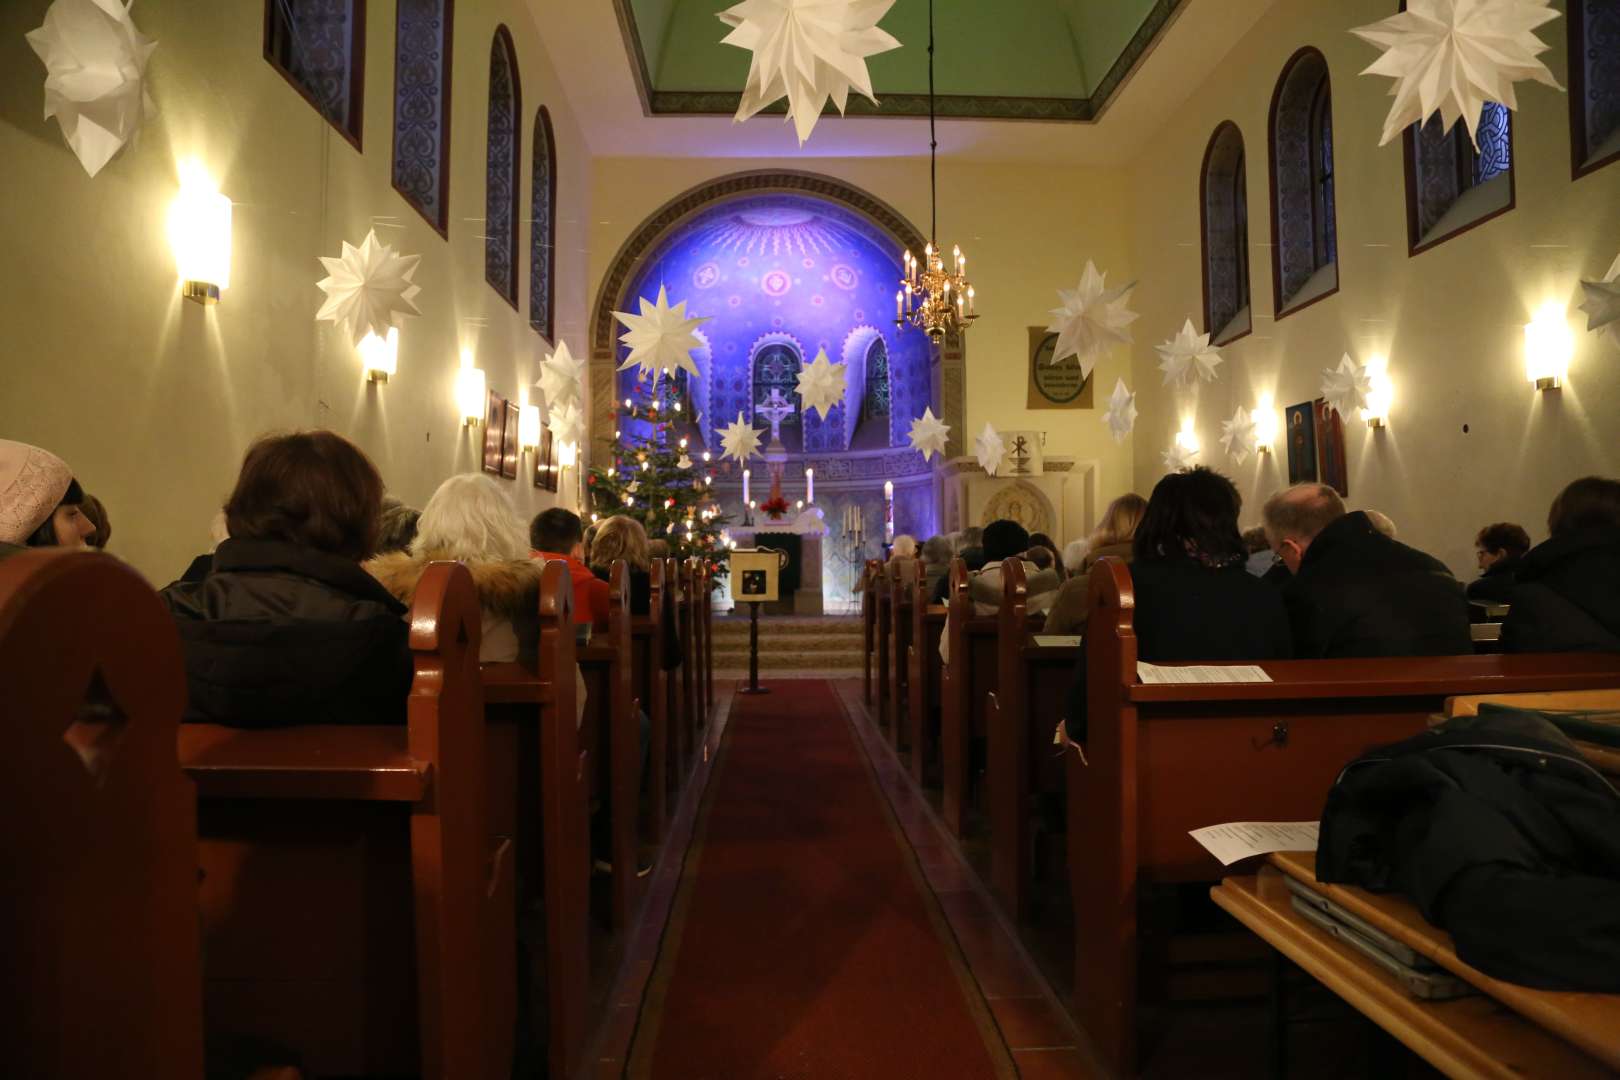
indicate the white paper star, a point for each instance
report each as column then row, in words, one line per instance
column 1187, row 354
column 560, row 377
column 1120, row 415
column 1179, row 457
column 1092, row 319
column 739, row 441
column 928, row 434
column 1346, row 387
column 822, row 384
column 95, row 76
column 566, row 423
column 990, row 449
column 808, row 51
column 368, row 288
column 660, row 338
column 1455, row 55
column 1238, row 435
column 1602, row 303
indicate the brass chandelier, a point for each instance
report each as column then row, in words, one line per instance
column 934, row 297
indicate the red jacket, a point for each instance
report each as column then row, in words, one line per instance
column 590, row 591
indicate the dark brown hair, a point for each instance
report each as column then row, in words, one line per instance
column 1592, row 502
column 1503, row 536
column 1193, row 512
column 311, row 488
column 556, row 531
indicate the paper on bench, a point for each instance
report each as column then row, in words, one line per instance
column 1243, row 839
column 1201, row 673
column 1048, row 641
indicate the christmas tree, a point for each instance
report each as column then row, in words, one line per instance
column 661, row 474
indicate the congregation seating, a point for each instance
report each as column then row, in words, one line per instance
column 923, row 671
column 363, row 892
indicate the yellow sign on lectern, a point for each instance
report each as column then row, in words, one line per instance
column 756, row 575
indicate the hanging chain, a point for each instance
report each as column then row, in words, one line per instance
column 933, row 143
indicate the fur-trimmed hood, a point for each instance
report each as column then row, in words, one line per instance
column 505, row 587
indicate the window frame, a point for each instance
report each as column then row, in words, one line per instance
column 446, row 82
column 547, row 258
column 357, row 72
column 1240, row 186
column 1579, row 151
column 503, row 36
column 1415, row 244
column 1322, row 211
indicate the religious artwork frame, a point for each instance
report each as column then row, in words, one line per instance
column 1299, row 429
column 1332, row 467
column 510, row 447
column 1315, row 437
column 494, row 432
column 545, row 465
column 1055, row 386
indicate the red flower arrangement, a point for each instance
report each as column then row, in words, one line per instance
column 776, row 509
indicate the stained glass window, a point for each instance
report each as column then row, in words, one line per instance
column 876, row 402
column 422, row 107
column 1444, row 166
column 320, row 47
column 501, row 184
column 1303, row 230
column 1226, row 232
column 543, row 234
column 1495, row 154
column 1594, row 82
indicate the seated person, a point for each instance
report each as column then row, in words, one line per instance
column 936, row 557
column 1041, row 540
column 623, row 537
column 904, row 547
column 1357, row 592
column 1194, row 599
column 41, row 504
column 559, row 534
column 286, row 627
column 1113, row 536
column 969, row 547
column 1499, row 549
column 1004, row 540
column 398, row 526
column 1381, row 521
column 1568, row 592
column 97, row 513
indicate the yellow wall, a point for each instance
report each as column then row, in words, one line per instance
column 1027, row 231
column 151, row 399
column 1450, row 319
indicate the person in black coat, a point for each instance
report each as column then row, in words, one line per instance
column 1567, row 594
column 1194, row 598
column 286, row 628
column 1499, row 549
column 1356, row 591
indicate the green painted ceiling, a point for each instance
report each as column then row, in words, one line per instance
column 1054, row 59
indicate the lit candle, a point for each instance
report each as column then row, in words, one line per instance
column 899, row 304
column 746, row 474
column 809, row 485
column 970, row 299
column 627, row 404
column 888, row 511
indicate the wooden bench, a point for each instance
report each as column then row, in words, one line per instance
column 649, row 686
column 1510, row 1031
column 923, row 679
column 1605, row 759
column 613, row 734
column 357, row 905
column 100, row 907
column 1161, row 760
column 903, row 578
column 868, row 626
column 966, row 681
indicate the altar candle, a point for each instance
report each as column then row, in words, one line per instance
column 888, row 511
column 746, row 474
column 809, row 485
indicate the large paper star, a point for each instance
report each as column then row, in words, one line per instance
column 368, row 288
column 822, row 384
column 566, row 423
column 1602, row 303
column 560, row 377
column 661, row 338
column 809, row 51
column 1179, row 457
column 1187, row 354
column 739, row 441
column 1120, row 416
column 928, row 434
column 1346, row 387
column 989, row 448
column 1455, row 55
column 1238, row 435
column 1092, row 319
column 95, row 76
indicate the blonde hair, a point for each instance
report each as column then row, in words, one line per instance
column 470, row 517
column 1119, row 522
column 620, row 537
column 905, row 547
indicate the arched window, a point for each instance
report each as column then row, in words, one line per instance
column 319, row 46
column 776, row 367
column 501, row 185
column 876, row 401
column 422, row 107
column 1594, row 83
column 543, row 233
column 1224, row 200
column 1305, row 244
column 1452, row 186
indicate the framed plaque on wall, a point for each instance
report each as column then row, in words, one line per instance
column 1055, row 386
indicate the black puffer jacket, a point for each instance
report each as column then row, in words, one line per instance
column 1501, row 834
column 1495, row 585
column 1359, row 593
column 278, row 635
column 1568, row 596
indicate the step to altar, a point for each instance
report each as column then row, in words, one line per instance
column 809, row 644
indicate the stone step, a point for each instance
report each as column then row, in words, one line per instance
column 776, row 645
column 784, row 656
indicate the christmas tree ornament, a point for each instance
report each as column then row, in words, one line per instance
column 368, row 288
column 1188, row 354
column 1091, row 320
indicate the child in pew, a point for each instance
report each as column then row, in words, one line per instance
column 1194, row 598
column 286, row 628
column 41, row 504
column 470, row 520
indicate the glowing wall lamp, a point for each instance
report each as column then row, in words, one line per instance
column 567, row 455
column 1380, row 395
column 380, row 355
column 470, row 395
column 1548, row 346
column 529, row 428
column 1187, row 439
column 1265, row 425
column 200, row 235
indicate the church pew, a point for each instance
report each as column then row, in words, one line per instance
column 357, row 898
column 616, row 739
column 883, row 641
column 903, row 575
column 708, row 638
column 922, row 677
column 1031, row 684
column 1161, row 760
column 680, row 706
column 700, row 603
column 648, row 686
column 692, row 650
column 965, row 681
column 100, row 853
column 868, row 626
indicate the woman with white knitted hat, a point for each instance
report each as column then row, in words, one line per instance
column 39, row 501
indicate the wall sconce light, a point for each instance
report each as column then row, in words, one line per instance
column 1188, row 440
column 1265, row 426
column 567, row 455
column 380, row 355
column 470, row 396
column 529, row 428
column 1548, row 346
column 1380, row 395
column 200, row 235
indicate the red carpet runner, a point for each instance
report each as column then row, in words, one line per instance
column 804, row 941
